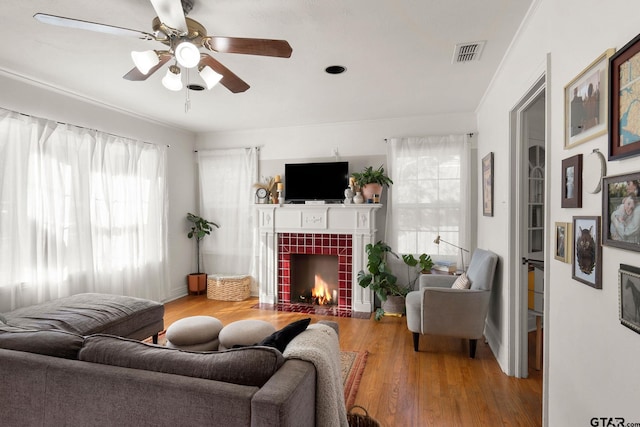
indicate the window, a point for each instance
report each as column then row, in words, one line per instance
column 429, row 196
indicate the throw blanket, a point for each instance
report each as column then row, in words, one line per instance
column 319, row 345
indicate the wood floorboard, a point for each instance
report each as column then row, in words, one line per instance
column 437, row 386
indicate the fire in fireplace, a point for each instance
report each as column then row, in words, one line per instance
column 314, row 279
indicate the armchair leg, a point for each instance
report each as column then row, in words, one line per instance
column 472, row 348
column 416, row 339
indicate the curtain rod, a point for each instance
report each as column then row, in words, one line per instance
column 246, row 148
column 82, row 127
column 470, row 135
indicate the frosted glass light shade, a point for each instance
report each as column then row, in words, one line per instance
column 145, row 61
column 172, row 80
column 210, row 77
column 187, row 54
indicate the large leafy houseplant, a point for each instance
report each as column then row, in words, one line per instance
column 381, row 279
column 200, row 228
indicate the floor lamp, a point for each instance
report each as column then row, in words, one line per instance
column 437, row 242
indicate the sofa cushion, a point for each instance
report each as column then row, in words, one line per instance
column 50, row 343
column 252, row 366
column 281, row 338
column 2, row 319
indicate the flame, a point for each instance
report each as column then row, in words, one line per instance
column 321, row 291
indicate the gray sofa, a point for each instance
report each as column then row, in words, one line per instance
column 55, row 376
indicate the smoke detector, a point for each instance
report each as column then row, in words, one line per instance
column 467, row 52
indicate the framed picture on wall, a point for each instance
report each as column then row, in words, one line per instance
column 629, row 296
column 586, row 113
column 572, row 182
column 624, row 133
column 563, row 241
column 587, row 251
column 621, row 211
column 487, row 185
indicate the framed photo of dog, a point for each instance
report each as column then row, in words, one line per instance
column 587, row 251
column 629, row 296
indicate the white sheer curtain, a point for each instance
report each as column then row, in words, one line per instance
column 430, row 195
column 80, row 211
column 226, row 198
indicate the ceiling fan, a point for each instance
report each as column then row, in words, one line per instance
column 183, row 37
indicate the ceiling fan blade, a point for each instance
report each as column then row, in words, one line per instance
column 170, row 14
column 265, row 47
column 91, row 26
column 135, row 75
column 229, row 80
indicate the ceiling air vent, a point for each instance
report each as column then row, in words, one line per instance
column 467, row 52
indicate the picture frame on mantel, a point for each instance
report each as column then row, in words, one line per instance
column 628, row 291
column 587, row 251
column 487, row 185
column 624, row 87
column 572, row 182
column 586, row 112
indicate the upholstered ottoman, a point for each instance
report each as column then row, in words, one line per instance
column 244, row 332
column 195, row 333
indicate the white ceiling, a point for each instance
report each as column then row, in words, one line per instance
column 398, row 55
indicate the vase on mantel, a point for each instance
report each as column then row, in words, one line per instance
column 358, row 199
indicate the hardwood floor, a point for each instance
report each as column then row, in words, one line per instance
column 437, row 386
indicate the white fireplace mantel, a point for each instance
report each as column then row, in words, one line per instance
column 358, row 220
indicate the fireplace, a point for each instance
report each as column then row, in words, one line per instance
column 335, row 230
column 297, row 249
column 314, row 279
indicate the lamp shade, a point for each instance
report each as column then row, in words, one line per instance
column 187, row 54
column 144, row 61
column 172, row 80
column 210, row 77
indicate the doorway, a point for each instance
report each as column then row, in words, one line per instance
column 527, row 228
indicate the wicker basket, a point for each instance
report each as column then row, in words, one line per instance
column 228, row 288
column 360, row 420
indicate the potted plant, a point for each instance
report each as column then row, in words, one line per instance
column 197, row 282
column 371, row 181
column 423, row 265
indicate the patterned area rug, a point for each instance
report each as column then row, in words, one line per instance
column 352, row 365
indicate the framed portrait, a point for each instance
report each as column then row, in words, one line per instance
column 629, row 296
column 572, row 182
column 624, row 108
column 621, row 211
column 587, row 251
column 563, row 241
column 487, row 185
column 586, row 113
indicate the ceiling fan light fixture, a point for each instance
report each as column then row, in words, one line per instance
column 187, row 54
column 172, row 80
column 210, row 77
column 145, row 61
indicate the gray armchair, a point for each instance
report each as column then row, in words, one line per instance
column 438, row 309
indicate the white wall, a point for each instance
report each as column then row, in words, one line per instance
column 30, row 98
column 590, row 369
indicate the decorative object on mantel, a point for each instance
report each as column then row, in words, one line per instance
column 358, row 199
column 197, row 282
column 348, row 196
column 371, row 182
column 267, row 192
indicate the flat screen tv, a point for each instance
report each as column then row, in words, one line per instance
column 305, row 182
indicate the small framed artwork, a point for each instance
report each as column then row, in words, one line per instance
column 587, row 251
column 572, row 182
column 563, row 241
column 487, row 185
column 585, row 102
column 629, row 296
column 624, row 87
column 621, row 212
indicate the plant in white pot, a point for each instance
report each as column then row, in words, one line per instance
column 197, row 282
column 371, row 181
